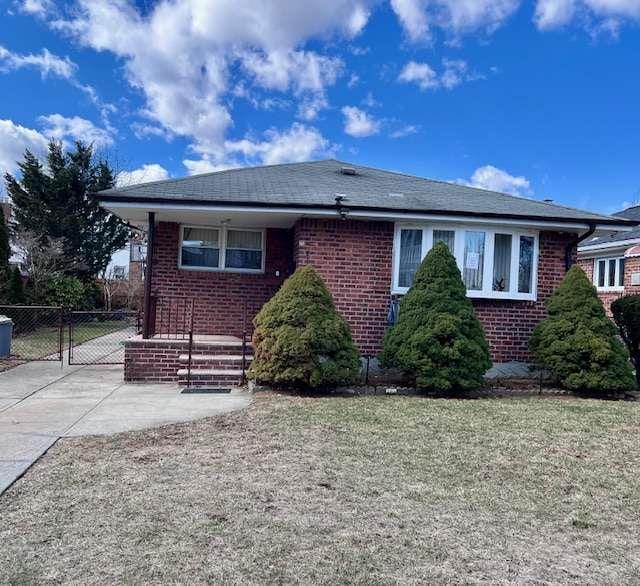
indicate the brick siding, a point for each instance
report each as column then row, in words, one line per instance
column 219, row 296
column 354, row 259
column 152, row 361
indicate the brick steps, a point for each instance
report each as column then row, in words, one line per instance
column 214, row 364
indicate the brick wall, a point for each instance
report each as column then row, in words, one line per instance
column 219, row 296
column 354, row 258
column 152, row 361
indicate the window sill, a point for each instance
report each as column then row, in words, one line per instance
column 219, row 270
column 494, row 296
column 610, row 289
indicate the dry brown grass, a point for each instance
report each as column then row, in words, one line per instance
column 371, row 490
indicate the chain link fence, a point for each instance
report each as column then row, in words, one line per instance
column 36, row 334
column 97, row 337
column 51, row 334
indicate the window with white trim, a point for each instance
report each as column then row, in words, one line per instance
column 221, row 249
column 608, row 273
column 496, row 263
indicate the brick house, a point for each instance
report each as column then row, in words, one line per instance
column 612, row 260
column 220, row 245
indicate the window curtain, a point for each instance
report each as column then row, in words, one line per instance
column 244, row 250
column 446, row 236
column 200, row 237
column 525, row 271
column 473, row 260
column 502, row 262
column 410, row 255
column 244, row 240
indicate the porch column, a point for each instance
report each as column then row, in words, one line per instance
column 147, row 326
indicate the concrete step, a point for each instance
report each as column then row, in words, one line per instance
column 211, row 376
column 220, row 359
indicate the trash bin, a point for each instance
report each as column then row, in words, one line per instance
column 6, row 329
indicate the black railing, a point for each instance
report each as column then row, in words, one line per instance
column 172, row 317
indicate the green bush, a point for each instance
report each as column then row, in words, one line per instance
column 438, row 339
column 300, row 339
column 64, row 291
column 577, row 343
column 626, row 313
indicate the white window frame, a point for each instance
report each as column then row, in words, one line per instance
column 487, row 291
column 596, row 273
column 222, row 231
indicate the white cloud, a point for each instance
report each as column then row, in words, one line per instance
column 494, row 179
column 45, row 61
column 181, row 55
column 297, row 143
column 454, row 73
column 358, row 123
column 456, row 17
column 38, row 8
column 421, row 74
column 595, row 15
column 65, row 129
column 14, row 139
column 196, row 167
column 144, row 174
column 406, row 130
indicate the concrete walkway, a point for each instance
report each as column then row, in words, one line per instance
column 41, row 402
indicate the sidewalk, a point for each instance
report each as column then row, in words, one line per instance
column 41, row 402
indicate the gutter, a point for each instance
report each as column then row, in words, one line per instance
column 568, row 258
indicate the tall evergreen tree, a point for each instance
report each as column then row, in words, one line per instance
column 58, row 201
column 438, row 338
column 15, row 292
column 5, row 249
column 5, row 253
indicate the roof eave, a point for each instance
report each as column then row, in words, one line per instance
column 177, row 203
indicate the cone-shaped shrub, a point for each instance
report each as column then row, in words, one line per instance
column 300, row 339
column 578, row 343
column 626, row 313
column 438, row 339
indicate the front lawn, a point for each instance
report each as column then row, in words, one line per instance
column 372, row 490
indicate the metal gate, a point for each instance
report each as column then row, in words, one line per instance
column 97, row 337
column 37, row 334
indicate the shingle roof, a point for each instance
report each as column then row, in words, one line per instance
column 632, row 213
column 317, row 183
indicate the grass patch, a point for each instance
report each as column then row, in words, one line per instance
column 368, row 490
column 45, row 341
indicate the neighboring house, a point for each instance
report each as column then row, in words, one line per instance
column 612, row 260
column 229, row 239
column 122, row 280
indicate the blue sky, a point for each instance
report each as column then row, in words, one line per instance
column 537, row 98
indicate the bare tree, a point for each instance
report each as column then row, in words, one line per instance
column 109, row 284
column 41, row 262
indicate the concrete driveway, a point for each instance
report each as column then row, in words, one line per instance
column 41, row 402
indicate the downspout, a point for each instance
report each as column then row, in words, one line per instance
column 147, row 326
column 575, row 243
